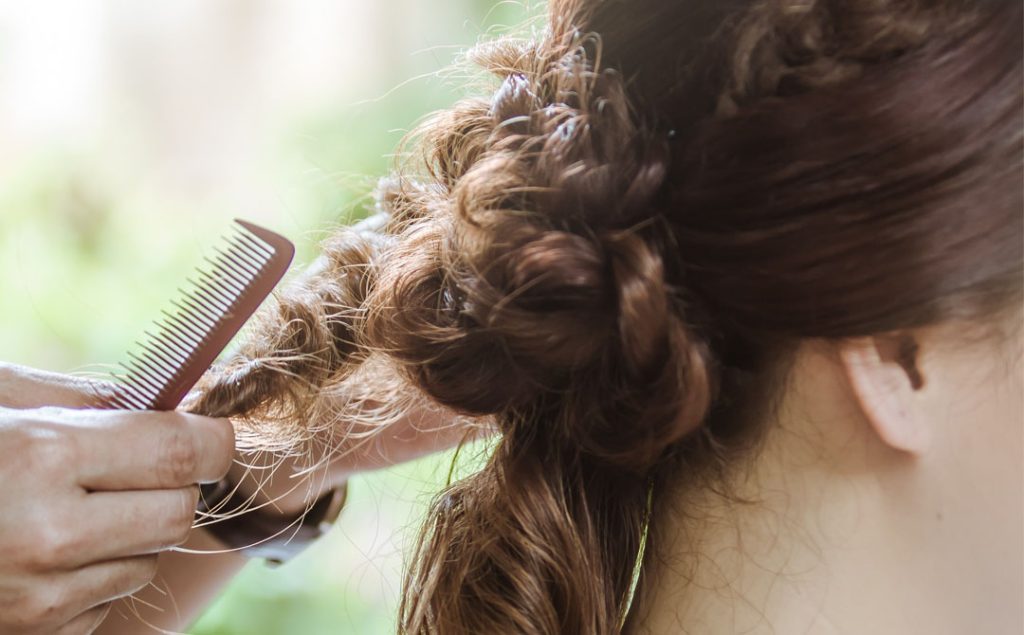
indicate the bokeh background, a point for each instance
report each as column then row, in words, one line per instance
column 131, row 133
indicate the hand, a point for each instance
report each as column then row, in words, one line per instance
column 88, row 497
column 359, row 448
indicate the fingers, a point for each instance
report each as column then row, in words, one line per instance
column 152, row 450
column 124, row 524
column 107, row 581
column 23, row 387
column 86, row 623
column 61, row 600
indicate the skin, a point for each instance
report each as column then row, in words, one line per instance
column 877, row 507
column 183, row 583
column 89, row 498
column 96, row 504
column 188, row 581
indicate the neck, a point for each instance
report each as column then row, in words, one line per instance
column 832, row 537
column 812, row 563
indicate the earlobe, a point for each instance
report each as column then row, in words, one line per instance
column 884, row 378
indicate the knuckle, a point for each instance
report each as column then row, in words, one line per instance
column 55, row 546
column 46, row 446
column 42, row 606
column 178, row 458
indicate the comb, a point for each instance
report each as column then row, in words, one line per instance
column 203, row 320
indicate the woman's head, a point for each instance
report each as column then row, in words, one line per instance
column 623, row 252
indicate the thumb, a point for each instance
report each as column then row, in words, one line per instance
column 22, row 387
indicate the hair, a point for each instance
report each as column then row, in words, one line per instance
column 609, row 255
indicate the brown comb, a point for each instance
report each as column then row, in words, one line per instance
column 204, row 320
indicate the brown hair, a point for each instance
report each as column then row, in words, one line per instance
column 611, row 254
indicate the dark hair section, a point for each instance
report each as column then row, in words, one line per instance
column 610, row 255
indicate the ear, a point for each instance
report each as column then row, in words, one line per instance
column 883, row 375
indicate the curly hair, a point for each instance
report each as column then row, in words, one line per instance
column 611, row 255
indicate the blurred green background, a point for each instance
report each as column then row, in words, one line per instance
column 132, row 133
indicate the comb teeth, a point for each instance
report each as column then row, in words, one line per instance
column 203, row 320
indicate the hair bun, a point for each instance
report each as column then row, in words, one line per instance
column 536, row 277
column 549, row 299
